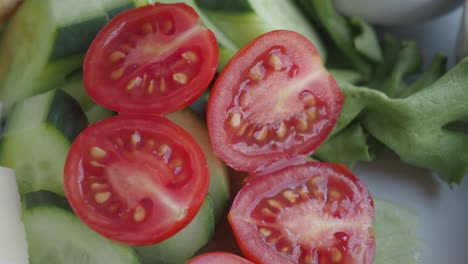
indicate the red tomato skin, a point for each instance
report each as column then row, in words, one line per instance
column 218, row 258
column 111, row 96
column 148, row 232
column 259, row 186
column 222, row 91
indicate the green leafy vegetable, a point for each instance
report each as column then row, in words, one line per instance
column 415, row 127
column 366, row 41
column 395, row 231
column 347, row 147
column 436, row 69
column 409, row 61
column 340, row 31
column 390, row 50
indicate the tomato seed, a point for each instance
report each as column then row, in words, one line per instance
column 96, row 186
column 140, row 214
column 301, row 124
column 167, row 27
column 242, row 129
column 182, row 213
column 274, row 204
column 116, row 56
column 133, row 83
column 117, row 74
column 264, row 231
column 181, row 78
column 145, row 77
column 303, row 194
column 334, row 194
column 311, row 115
column 235, row 120
column 97, row 152
column 243, row 100
column 102, row 197
column 290, row 196
column 307, row 259
column 275, row 62
column 257, row 72
column 272, row 240
column 151, row 87
column 135, row 138
column 162, row 149
column 308, row 98
column 250, row 133
column 336, row 255
column 315, row 180
column 281, row 130
column 262, row 134
column 147, row 28
column 316, row 193
column 96, row 164
column 285, row 249
column 190, row 56
column 267, row 212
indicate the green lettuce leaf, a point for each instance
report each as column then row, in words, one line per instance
column 417, row 127
column 340, row 31
column 395, row 231
column 436, row 69
column 347, row 147
column 366, row 41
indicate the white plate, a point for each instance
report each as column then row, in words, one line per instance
column 443, row 211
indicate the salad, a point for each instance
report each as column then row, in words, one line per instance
column 208, row 131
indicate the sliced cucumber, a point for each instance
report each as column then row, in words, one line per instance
column 243, row 20
column 181, row 247
column 37, row 137
column 219, row 180
column 74, row 86
column 56, row 236
column 98, row 113
column 13, row 247
column 45, row 198
column 45, row 41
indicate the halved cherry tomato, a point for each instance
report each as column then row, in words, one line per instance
column 273, row 101
column 153, row 59
column 218, row 258
column 307, row 213
column 136, row 179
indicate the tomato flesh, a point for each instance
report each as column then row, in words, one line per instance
column 218, row 257
column 153, row 59
column 273, row 101
column 136, row 179
column 308, row 213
